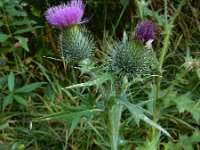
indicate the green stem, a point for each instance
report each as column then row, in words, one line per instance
column 114, row 115
column 139, row 9
column 168, row 31
column 7, row 24
column 156, row 111
column 114, row 123
column 165, row 47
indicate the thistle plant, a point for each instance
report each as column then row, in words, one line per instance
column 75, row 42
column 115, row 101
column 129, row 57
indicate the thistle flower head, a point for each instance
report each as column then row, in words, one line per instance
column 145, row 31
column 65, row 14
column 76, row 44
column 129, row 58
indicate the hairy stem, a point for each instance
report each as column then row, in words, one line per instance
column 114, row 124
column 114, row 115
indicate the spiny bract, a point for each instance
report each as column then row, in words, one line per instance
column 129, row 58
column 76, row 44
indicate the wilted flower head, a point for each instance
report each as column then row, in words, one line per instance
column 65, row 14
column 145, row 31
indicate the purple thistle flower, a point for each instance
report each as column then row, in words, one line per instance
column 65, row 14
column 145, row 31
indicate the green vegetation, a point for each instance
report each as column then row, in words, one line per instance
column 47, row 103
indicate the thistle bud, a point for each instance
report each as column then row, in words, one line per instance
column 129, row 58
column 76, row 43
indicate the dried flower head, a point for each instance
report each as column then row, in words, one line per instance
column 145, row 31
column 193, row 64
column 65, row 14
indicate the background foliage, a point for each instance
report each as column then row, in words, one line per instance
column 31, row 85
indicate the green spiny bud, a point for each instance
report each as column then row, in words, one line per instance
column 129, row 58
column 76, row 43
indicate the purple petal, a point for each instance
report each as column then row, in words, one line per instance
column 86, row 20
column 65, row 14
column 145, row 31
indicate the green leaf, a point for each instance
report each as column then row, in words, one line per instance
column 36, row 12
column 186, row 104
column 3, row 37
column 28, row 29
column 14, row 12
column 184, row 142
column 170, row 144
column 86, row 66
column 196, row 111
column 97, row 81
column 168, row 98
column 150, row 145
column 29, row 87
column 4, row 125
column 74, row 123
column 138, row 113
column 17, row 146
column 22, row 42
column 72, row 118
column 71, row 115
column 20, row 100
column 7, row 100
column 11, row 82
column 23, row 22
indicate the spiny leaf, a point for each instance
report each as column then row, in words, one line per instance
column 138, row 114
column 70, row 115
column 97, row 81
column 184, row 103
